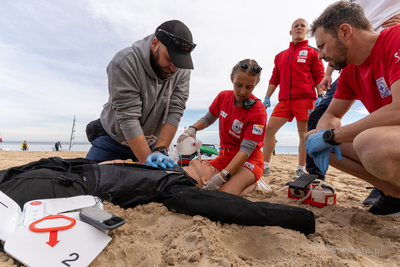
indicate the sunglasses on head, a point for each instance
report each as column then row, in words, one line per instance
column 181, row 42
column 244, row 66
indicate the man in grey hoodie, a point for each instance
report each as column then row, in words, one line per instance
column 148, row 84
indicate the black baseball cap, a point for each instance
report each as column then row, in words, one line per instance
column 178, row 39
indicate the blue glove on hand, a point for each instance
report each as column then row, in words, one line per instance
column 214, row 183
column 160, row 160
column 318, row 101
column 320, row 151
column 267, row 102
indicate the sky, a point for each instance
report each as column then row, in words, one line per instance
column 54, row 56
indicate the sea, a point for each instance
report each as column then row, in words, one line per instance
column 85, row 146
column 44, row 146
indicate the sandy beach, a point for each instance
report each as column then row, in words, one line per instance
column 346, row 235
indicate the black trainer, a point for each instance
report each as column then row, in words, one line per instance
column 386, row 205
column 373, row 197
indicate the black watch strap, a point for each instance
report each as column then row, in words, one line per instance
column 161, row 149
column 328, row 137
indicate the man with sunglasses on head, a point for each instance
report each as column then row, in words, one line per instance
column 148, row 86
column 297, row 71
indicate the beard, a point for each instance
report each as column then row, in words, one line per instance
column 154, row 62
column 340, row 60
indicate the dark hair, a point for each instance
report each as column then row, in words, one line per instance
column 339, row 13
column 249, row 71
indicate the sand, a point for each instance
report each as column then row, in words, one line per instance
column 346, row 235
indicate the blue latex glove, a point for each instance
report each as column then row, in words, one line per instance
column 320, row 151
column 160, row 160
column 318, row 101
column 267, row 102
column 214, row 183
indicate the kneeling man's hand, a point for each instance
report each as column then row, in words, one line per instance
column 320, row 151
column 160, row 160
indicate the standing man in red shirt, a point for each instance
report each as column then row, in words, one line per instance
column 298, row 71
column 369, row 148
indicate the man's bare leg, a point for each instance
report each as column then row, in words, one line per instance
column 379, row 151
column 302, row 130
column 273, row 126
column 351, row 164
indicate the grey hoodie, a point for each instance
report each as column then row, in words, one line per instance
column 139, row 101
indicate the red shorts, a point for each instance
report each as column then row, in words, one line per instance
column 299, row 108
column 255, row 163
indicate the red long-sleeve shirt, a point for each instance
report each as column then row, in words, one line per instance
column 297, row 70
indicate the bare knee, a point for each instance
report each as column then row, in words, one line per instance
column 365, row 144
column 377, row 154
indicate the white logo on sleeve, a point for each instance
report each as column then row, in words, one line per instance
column 257, row 129
column 223, row 114
column 383, row 88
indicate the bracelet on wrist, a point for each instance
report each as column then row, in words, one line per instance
column 193, row 127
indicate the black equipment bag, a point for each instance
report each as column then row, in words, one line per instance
column 46, row 178
column 128, row 185
column 228, row 208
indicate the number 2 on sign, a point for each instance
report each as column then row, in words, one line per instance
column 74, row 259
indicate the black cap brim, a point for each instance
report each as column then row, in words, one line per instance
column 182, row 61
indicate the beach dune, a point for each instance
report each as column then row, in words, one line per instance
column 346, row 235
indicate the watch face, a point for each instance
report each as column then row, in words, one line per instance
column 327, row 136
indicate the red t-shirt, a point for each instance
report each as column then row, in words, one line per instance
column 370, row 82
column 237, row 123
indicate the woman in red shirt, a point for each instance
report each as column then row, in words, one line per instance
column 242, row 118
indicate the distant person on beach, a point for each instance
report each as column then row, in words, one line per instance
column 369, row 148
column 381, row 14
column 148, row 86
column 58, row 145
column 242, row 119
column 298, row 71
column 25, row 146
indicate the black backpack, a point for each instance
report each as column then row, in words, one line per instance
column 46, row 178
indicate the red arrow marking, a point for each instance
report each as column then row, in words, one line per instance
column 53, row 239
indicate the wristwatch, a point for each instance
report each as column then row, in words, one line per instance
column 321, row 95
column 161, row 149
column 328, row 137
column 227, row 174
